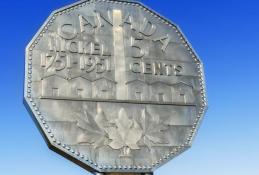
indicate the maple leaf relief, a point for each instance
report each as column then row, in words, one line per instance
column 152, row 129
column 126, row 134
column 95, row 128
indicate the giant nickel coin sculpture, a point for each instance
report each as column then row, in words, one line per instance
column 114, row 86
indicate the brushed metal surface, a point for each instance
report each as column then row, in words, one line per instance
column 114, row 86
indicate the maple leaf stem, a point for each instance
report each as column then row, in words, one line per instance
column 125, row 151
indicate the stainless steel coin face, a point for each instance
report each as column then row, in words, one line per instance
column 113, row 86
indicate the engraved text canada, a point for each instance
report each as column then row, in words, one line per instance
column 114, row 86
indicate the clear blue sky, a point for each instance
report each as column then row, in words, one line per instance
column 225, row 33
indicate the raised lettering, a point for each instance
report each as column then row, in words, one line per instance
column 84, row 47
column 69, row 66
column 85, row 23
column 51, row 42
column 147, row 68
column 108, row 64
column 56, row 43
column 168, row 69
column 100, row 18
column 129, row 20
column 67, row 31
column 105, row 51
column 135, row 67
column 60, row 62
column 72, row 47
column 87, row 63
column 147, row 28
column 137, row 52
column 95, row 49
column 100, row 66
column 178, row 70
column 158, row 68
column 43, row 60
column 164, row 40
